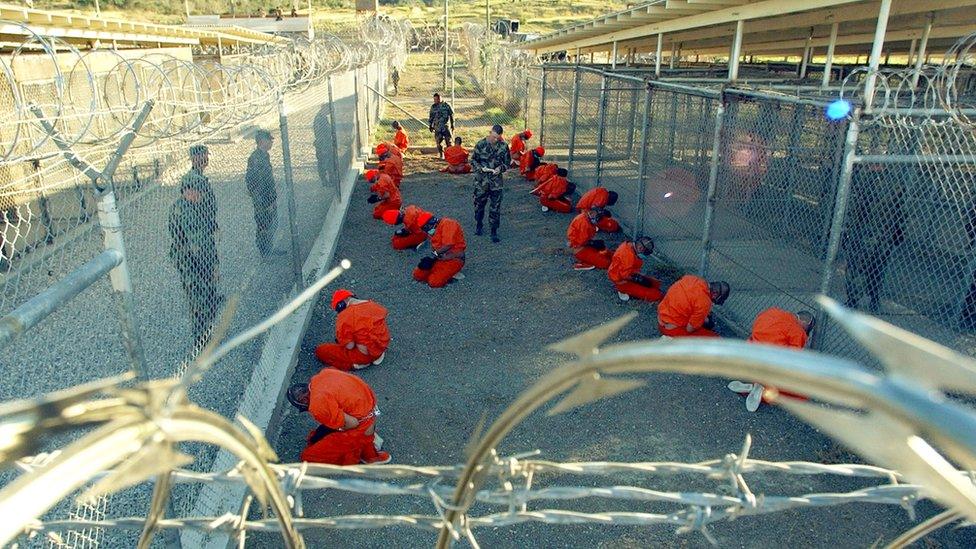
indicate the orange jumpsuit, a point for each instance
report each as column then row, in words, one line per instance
column 457, row 160
column 774, row 326
column 414, row 235
column 447, row 235
column 517, row 147
column 393, row 167
column 359, row 324
column 401, row 140
column 579, row 233
column 394, row 150
column 545, row 171
column 624, row 265
column 595, row 198
column 331, row 395
column 388, row 193
column 551, row 194
column 525, row 166
column 687, row 302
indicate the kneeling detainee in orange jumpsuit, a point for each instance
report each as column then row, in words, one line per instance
column 590, row 254
column 598, row 198
column 686, row 308
column 345, row 406
column 391, row 164
column 555, row 192
column 448, row 245
column 530, row 161
column 457, row 159
column 625, row 271
column 385, row 193
column 774, row 326
column 410, row 235
column 361, row 333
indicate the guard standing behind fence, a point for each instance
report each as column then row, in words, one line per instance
column 489, row 159
column 441, row 115
column 261, row 186
column 193, row 246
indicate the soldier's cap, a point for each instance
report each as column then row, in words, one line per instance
column 262, row 134
column 198, row 150
column 341, row 295
column 497, row 129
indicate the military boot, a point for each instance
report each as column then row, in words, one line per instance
column 480, row 228
column 494, row 236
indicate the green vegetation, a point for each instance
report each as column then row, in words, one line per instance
column 536, row 16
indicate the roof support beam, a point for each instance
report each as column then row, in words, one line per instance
column 921, row 52
column 657, row 58
column 736, row 51
column 875, row 60
column 830, row 55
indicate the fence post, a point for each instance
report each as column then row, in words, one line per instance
column 542, row 110
column 712, row 186
column 840, row 209
column 357, row 150
column 336, row 179
column 296, row 260
column 642, row 164
column 572, row 120
column 601, row 127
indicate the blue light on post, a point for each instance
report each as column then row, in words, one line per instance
column 838, row 110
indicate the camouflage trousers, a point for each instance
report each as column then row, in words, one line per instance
column 484, row 196
column 203, row 298
column 266, row 223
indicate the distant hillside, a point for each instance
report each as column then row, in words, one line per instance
column 535, row 15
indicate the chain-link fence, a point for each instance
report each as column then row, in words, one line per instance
column 753, row 188
column 195, row 180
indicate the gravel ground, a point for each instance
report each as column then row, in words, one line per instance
column 469, row 349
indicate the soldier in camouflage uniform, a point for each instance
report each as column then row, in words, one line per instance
column 441, row 114
column 193, row 246
column 489, row 160
column 875, row 228
column 261, row 186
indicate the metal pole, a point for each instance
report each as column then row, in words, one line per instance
column 487, row 17
column 805, row 62
column 736, row 51
column 712, row 185
column 542, row 109
column 875, row 60
column 601, row 127
column 642, row 165
column 674, row 54
column 911, row 52
column 657, row 59
column 37, row 308
column 336, row 177
column 572, row 118
column 613, row 56
column 921, row 52
column 186, row 8
column 98, row 9
column 359, row 129
column 296, row 261
column 828, row 64
column 840, row 207
column 444, row 85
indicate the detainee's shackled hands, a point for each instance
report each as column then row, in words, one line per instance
column 488, row 170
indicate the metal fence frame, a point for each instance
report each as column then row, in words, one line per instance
column 693, row 125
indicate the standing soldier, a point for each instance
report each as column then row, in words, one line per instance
column 489, row 159
column 193, row 246
column 440, row 115
column 261, row 186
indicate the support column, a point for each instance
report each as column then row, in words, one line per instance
column 712, row 186
column 572, row 125
column 601, row 126
column 336, row 178
column 828, row 64
column 674, row 55
column 875, row 60
column 657, row 57
column 613, row 56
column 642, row 164
column 911, row 52
column 542, row 109
column 922, row 46
column 736, row 51
column 296, row 260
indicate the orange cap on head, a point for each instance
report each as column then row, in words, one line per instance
column 540, row 151
column 339, row 296
column 423, row 218
column 528, row 134
column 382, row 149
column 371, row 175
column 391, row 217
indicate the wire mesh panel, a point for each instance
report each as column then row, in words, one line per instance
column 557, row 112
column 908, row 247
column 679, row 144
column 589, row 109
column 774, row 199
column 620, row 147
column 533, row 100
